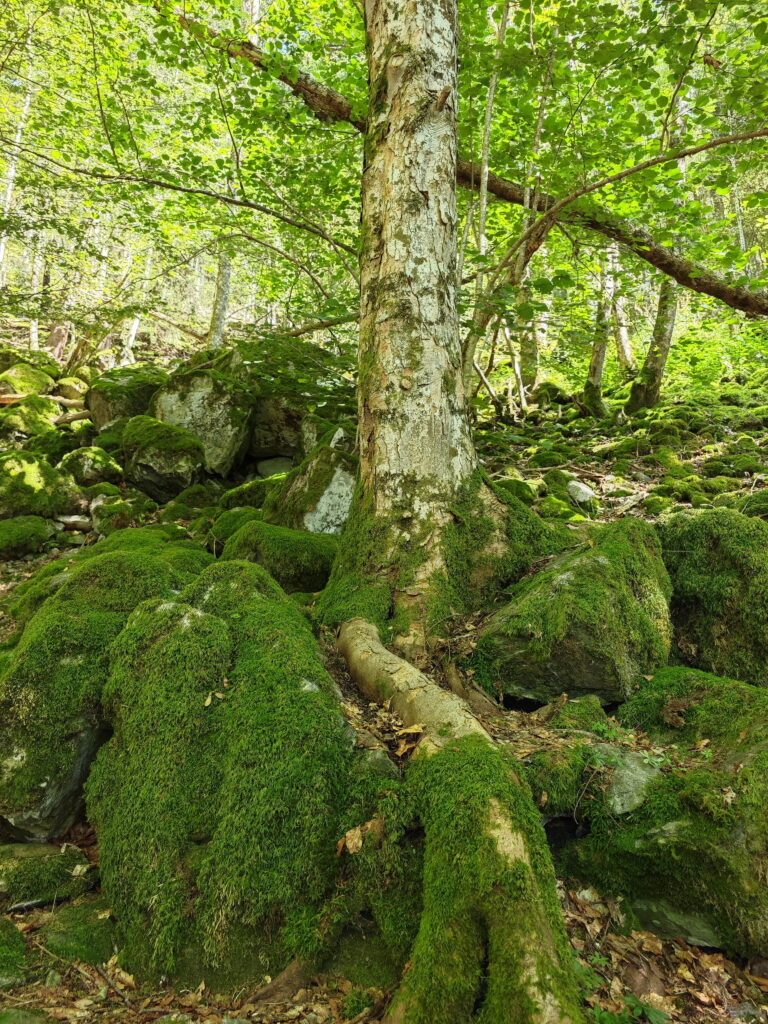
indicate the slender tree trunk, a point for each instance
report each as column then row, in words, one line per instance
column 220, row 300
column 618, row 316
column 647, row 388
column 35, row 285
column 13, row 159
column 127, row 354
column 593, row 387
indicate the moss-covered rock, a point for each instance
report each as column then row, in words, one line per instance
column 276, row 429
column 11, row 955
column 35, row 873
column 228, row 523
column 51, row 722
column 317, row 495
column 718, row 563
column 29, row 485
column 218, row 825
column 755, row 504
column 71, row 387
column 91, row 465
column 23, row 534
column 123, row 393
column 23, row 379
column 252, row 493
column 28, row 418
column 594, row 621
column 298, row 560
column 208, row 405
column 82, row 931
column 584, row 713
column 160, row 459
column 53, row 445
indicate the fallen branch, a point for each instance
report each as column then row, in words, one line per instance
column 71, row 417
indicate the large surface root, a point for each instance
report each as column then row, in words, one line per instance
column 491, row 944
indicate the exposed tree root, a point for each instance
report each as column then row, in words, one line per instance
column 491, row 945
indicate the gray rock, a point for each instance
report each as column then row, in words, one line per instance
column 317, row 495
column 276, row 429
column 210, row 408
column 629, row 781
column 670, row 923
column 580, row 492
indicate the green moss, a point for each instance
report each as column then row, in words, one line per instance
column 82, row 931
column 31, row 486
column 252, row 493
column 655, row 504
column 296, row 497
column 718, row 563
column 91, row 465
column 755, row 504
column 123, row 392
column 102, row 490
column 23, row 379
column 111, row 439
column 228, row 523
column 143, row 433
column 22, row 534
column 51, row 444
column 595, row 620
column 46, row 873
column 298, row 560
column 30, row 417
column 584, row 713
column 200, row 496
column 556, row 777
column 11, row 954
column 237, row 828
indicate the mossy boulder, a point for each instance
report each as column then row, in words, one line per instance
column 82, row 931
column 10, row 356
column 755, row 504
column 584, row 713
column 252, row 493
column 123, row 393
column 161, row 459
column 298, row 560
column 218, row 825
column 718, row 563
column 228, row 523
column 91, row 465
column 23, row 535
column 11, row 955
column 594, row 621
column 35, row 873
column 23, row 379
column 73, row 388
column 317, row 495
column 276, row 428
column 52, row 444
column 51, row 721
column 208, row 405
column 28, row 418
column 29, row 485
column 698, row 841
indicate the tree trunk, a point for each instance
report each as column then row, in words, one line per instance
column 618, row 316
column 220, row 300
column 491, row 944
column 593, row 387
column 647, row 388
column 13, row 159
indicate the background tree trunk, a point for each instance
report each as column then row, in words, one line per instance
column 220, row 299
column 593, row 386
column 647, row 388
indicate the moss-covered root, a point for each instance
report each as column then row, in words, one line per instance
column 491, row 945
column 490, row 934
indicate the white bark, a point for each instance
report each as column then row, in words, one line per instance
column 11, row 176
column 414, row 434
column 220, row 300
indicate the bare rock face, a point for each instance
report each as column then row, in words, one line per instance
column 208, row 405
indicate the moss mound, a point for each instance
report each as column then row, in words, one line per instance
column 594, row 621
column 82, row 931
column 23, row 379
column 162, row 460
column 252, row 493
column 91, row 465
column 28, row 418
column 718, row 563
column 227, row 524
column 31, row 872
column 299, row 561
column 31, row 486
column 22, row 535
column 218, row 822
column 122, row 393
column 11, row 955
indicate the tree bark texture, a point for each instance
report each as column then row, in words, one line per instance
column 593, row 387
column 647, row 388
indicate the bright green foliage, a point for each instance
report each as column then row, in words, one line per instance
column 296, row 559
column 23, row 379
column 28, row 418
column 91, row 465
column 22, row 534
column 31, row 486
column 595, row 620
column 718, row 563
